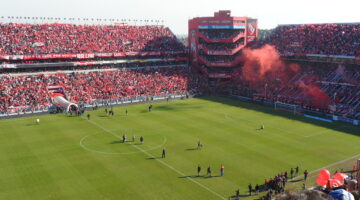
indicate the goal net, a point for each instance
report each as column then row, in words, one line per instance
column 288, row 107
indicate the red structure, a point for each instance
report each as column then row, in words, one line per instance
column 216, row 43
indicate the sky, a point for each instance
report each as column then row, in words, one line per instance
column 176, row 14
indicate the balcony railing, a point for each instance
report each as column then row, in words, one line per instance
column 220, row 52
column 233, row 63
column 223, row 40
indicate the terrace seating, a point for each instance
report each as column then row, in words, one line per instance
column 325, row 39
column 29, row 39
column 30, row 92
column 340, row 84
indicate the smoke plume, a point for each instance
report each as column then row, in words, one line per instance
column 263, row 67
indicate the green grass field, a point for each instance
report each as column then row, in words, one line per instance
column 75, row 158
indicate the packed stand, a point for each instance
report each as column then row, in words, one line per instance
column 30, row 92
column 222, row 46
column 221, row 33
column 325, row 39
column 29, row 39
column 321, row 87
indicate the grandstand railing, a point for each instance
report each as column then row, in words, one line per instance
column 89, row 63
column 357, row 58
column 221, row 52
column 87, row 55
column 220, row 64
column 226, row 40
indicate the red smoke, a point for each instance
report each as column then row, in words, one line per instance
column 318, row 98
column 264, row 66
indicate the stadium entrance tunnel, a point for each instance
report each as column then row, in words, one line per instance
column 64, row 104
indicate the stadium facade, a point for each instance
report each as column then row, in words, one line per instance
column 216, row 42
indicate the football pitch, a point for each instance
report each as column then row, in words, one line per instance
column 68, row 157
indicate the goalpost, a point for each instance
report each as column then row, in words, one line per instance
column 286, row 106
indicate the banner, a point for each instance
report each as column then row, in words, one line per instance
column 251, row 30
column 4, row 57
column 17, row 57
column 121, row 54
column 86, row 55
column 8, row 66
column 103, row 55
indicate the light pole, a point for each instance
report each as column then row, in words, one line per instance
column 266, row 85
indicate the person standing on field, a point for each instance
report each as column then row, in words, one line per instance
column 250, row 189
column 297, row 170
column 198, row 170
column 222, row 168
column 208, row 171
column 306, row 173
column 124, row 138
column 163, row 153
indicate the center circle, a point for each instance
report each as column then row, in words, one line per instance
column 105, row 143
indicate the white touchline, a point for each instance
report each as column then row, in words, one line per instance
column 162, row 162
column 333, row 164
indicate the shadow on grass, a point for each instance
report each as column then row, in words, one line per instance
column 195, row 176
column 116, row 142
column 191, row 149
column 31, row 124
column 337, row 126
column 72, row 115
column 295, row 181
column 154, row 158
column 176, row 107
column 234, row 197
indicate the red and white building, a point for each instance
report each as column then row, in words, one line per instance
column 216, row 42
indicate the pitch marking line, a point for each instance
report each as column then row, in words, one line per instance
column 281, row 129
column 328, row 166
column 117, row 153
column 162, row 162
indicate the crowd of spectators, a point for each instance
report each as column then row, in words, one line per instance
column 221, row 33
column 348, row 191
column 339, row 84
column 29, row 39
column 325, row 39
column 222, row 46
column 30, row 91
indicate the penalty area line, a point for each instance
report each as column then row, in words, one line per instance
column 162, row 162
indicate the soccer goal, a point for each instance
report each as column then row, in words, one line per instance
column 288, row 107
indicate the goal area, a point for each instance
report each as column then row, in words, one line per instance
column 295, row 109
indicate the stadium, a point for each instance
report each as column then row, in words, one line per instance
column 124, row 111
